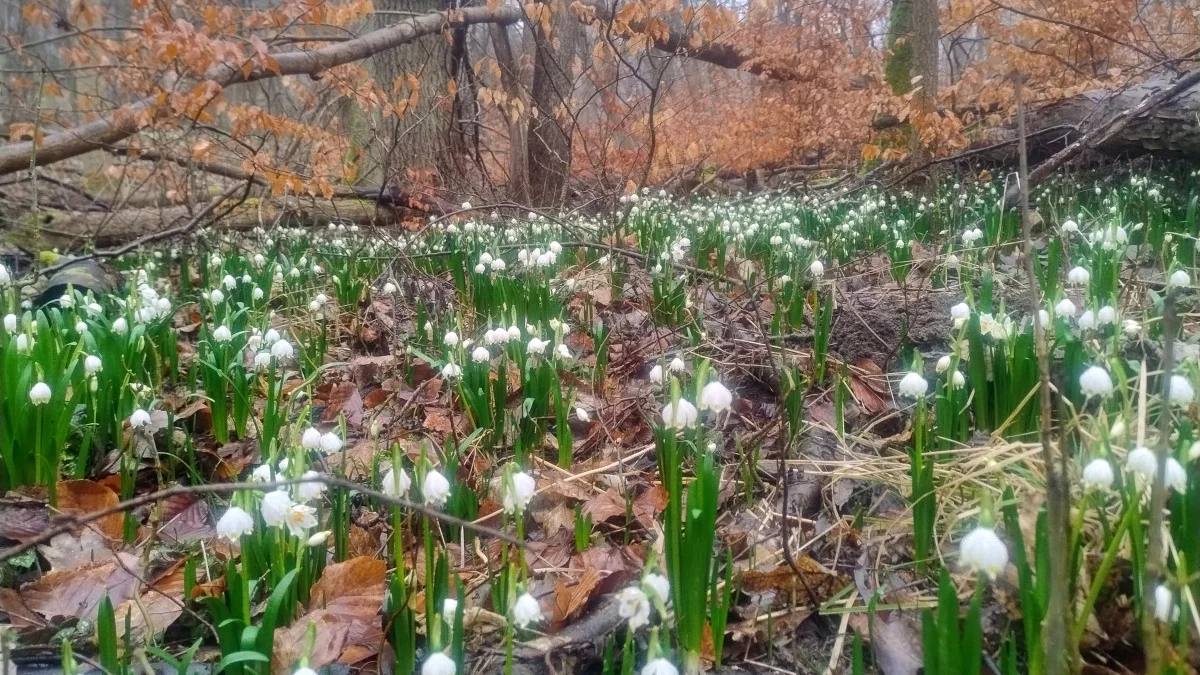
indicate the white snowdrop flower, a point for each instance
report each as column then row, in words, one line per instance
column 513, row 333
column 259, row 261
column 679, row 415
column 396, row 483
column 1181, row 392
column 94, row 309
column 262, row 360
column 1065, row 308
column 555, row 247
column 246, row 279
column 983, row 552
column 676, row 366
column 163, row 306
column 1143, row 464
column 913, row 385
column 784, row 280
column 81, row 327
column 120, row 326
column 299, row 518
column 234, row 523
column 139, row 419
column 1078, row 276
column 256, row 294
column 523, row 488
column 952, row 261
column 563, row 351
column 1095, row 381
column 498, row 265
column 1097, row 475
column 282, row 350
column 1070, row 227
column 957, row 380
column 1087, row 320
column 310, row 439
column 656, row 374
column 527, row 611
column 5, row 277
column 216, row 297
column 92, row 364
column 229, row 282
column 449, row 609
column 715, row 397
column 659, row 667
column 271, row 336
column 817, row 269
column 480, row 269
column 943, row 364
column 261, row 473
column 523, row 256
column 1175, row 478
column 389, row 288
column 451, row 371
column 634, row 606
column 1131, row 328
column 582, row 415
column 66, row 301
column 222, row 334
column 481, row 355
column 435, row 489
column 330, row 443
column 275, row 507
column 438, row 664
column 39, row 394
column 311, row 490
column 318, row 540
column 10, row 323
column 1106, row 315
column 1164, row 604
column 659, row 584
column 451, row 339
column 536, row 346
column 1194, row 451
column 960, row 312
column 1179, row 279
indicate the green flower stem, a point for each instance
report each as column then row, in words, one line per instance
column 1110, row 556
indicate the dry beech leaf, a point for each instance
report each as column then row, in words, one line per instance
column 436, row 419
column 157, row 608
column 345, row 607
column 85, row 497
column 814, row 580
column 570, row 598
column 77, row 592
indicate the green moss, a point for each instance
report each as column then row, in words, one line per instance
column 897, row 66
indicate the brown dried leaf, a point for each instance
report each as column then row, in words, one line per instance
column 84, row 497
column 569, row 599
column 345, row 607
column 77, row 592
column 186, row 518
column 436, row 419
column 814, row 580
column 156, row 610
column 22, row 519
column 605, row 505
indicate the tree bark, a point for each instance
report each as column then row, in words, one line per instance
column 551, row 124
column 424, row 138
column 516, row 112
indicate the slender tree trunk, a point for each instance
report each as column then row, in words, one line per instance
column 925, row 62
column 516, row 113
column 424, row 140
column 551, row 124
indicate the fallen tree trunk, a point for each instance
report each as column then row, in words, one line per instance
column 66, row 230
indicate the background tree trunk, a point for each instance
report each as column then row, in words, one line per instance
column 551, row 124
column 425, row 138
column 925, row 62
column 516, row 113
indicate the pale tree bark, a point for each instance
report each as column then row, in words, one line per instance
column 925, row 63
column 424, row 139
column 552, row 125
column 516, row 113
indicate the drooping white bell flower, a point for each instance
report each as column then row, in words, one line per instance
column 481, row 355
column 582, row 415
column 217, row 297
column 451, row 370
column 1175, row 477
column 310, row 439
column 435, row 489
column 526, row 611
column 1097, row 475
column 234, row 523
column 913, row 385
column 1078, row 276
column 817, row 269
column 439, row 664
column 656, row 374
column 92, row 364
column 330, row 443
column 1179, row 279
column 1065, row 309
column 1106, row 315
column 983, row 552
column 282, row 350
column 633, row 605
column 39, row 394
column 1095, row 381
column 309, row 491
column 679, row 415
column 715, row 397
column 943, row 364
column 676, row 365
column 396, row 483
column 960, row 312
column 10, row 323
column 659, row 667
column 1087, row 320
column 451, row 339
column 1164, row 604
column 1131, row 328
column 659, row 584
column 139, row 419
column 520, row 494
column 120, row 326
column 958, row 380
column 1181, row 392
column 275, row 507
column 1143, row 464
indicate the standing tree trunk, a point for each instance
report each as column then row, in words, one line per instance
column 925, row 62
column 423, row 140
column 516, row 114
column 556, row 41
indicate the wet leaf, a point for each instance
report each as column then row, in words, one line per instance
column 77, row 592
column 569, row 599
